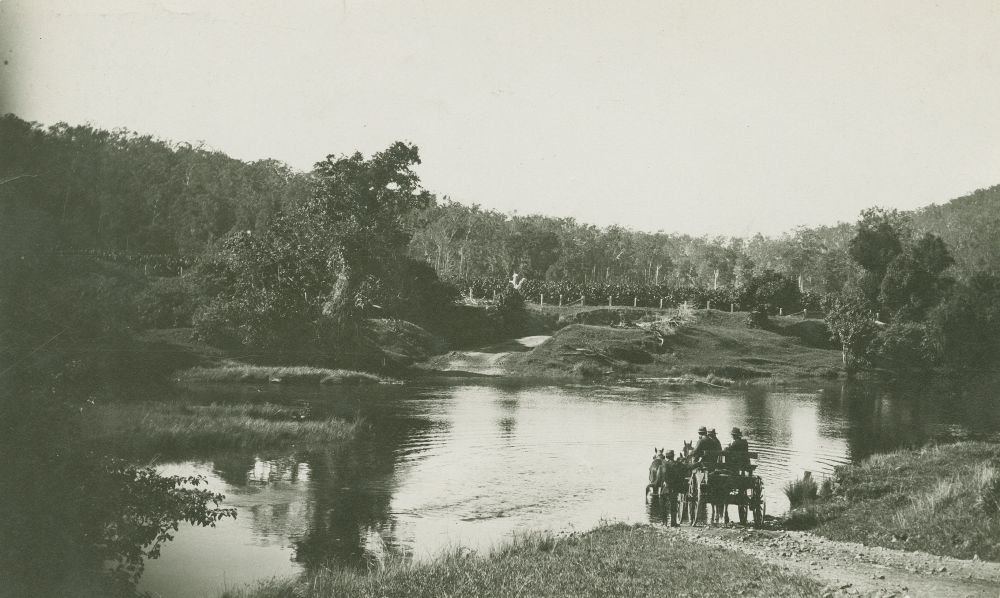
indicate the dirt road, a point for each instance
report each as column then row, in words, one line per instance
column 849, row 569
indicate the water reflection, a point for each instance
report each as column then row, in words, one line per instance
column 472, row 463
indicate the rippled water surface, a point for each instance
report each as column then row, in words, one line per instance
column 451, row 463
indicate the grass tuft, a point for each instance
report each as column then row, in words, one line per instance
column 801, row 492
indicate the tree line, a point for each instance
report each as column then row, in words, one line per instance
column 273, row 256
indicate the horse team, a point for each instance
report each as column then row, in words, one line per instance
column 707, row 476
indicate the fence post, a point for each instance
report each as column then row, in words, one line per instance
column 609, row 300
column 661, row 302
column 470, row 292
column 805, row 313
column 635, row 302
column 541, row 300
column 494, row 294
column 583, row 300
column 182, row 273
column 708, row 305
column 731, row 308
column 560, row 300
column 781, row 311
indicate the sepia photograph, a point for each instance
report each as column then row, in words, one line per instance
column 433, row 298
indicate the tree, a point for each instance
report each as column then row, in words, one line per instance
column 305, row 279
column 914, row 282
column 853, row 325
column 965, row 328
column 879, row 238
column 771, row 288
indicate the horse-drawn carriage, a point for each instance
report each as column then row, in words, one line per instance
column 719, row 480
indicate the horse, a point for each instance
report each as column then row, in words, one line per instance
column 687, row 450
column 657, row 475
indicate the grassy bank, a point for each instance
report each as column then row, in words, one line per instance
column 241, row 372
column 943, row 500
column 170, row 428
column 708, row 345
column 616, row 560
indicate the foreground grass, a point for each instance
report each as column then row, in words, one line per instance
column 238, row 372
column 943, row 500
column 144, row 428
column 616, row 560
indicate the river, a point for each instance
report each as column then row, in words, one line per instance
column 470, row 462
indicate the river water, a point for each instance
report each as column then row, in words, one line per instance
column 470, row 462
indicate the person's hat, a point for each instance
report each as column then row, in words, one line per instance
column 712, row 431
column 736, row 432
column 669, row 453
column 703, row 430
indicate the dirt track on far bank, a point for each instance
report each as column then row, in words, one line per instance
column 850, row 569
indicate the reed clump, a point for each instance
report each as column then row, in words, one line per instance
column 801, row 492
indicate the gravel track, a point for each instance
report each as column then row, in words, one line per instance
column 850, row 569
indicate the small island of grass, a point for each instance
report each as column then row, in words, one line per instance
column 177, row 428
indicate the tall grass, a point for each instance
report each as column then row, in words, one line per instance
column 615, row 560
column 801, row 492
column 973, row 489
column 144, row 428
column 238, row 372
column 941, row 499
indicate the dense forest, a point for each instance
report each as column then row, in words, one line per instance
column 119, row 230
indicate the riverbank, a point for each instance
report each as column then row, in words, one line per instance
column 614, row 560
column 698, row 345
column 943, row 500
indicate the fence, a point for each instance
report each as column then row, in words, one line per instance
column 637, row 302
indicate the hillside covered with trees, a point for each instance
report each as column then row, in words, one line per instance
column 107, row 232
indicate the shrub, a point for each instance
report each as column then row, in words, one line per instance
column 757, row 318
column 801, row 492
column 166, row 303
column 510, row 315
column 903, row 345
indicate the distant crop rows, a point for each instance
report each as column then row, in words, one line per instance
column 152, row 264
column 622, row 294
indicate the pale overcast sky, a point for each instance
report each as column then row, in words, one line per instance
column 702, row 117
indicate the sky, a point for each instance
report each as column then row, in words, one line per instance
column 699, row 117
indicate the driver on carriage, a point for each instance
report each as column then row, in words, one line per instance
column 706, row 444
column 738, row 451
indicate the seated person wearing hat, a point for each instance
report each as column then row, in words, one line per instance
column 737, row 453
column 705, row 444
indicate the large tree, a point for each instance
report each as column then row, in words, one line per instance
column 306, row 276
